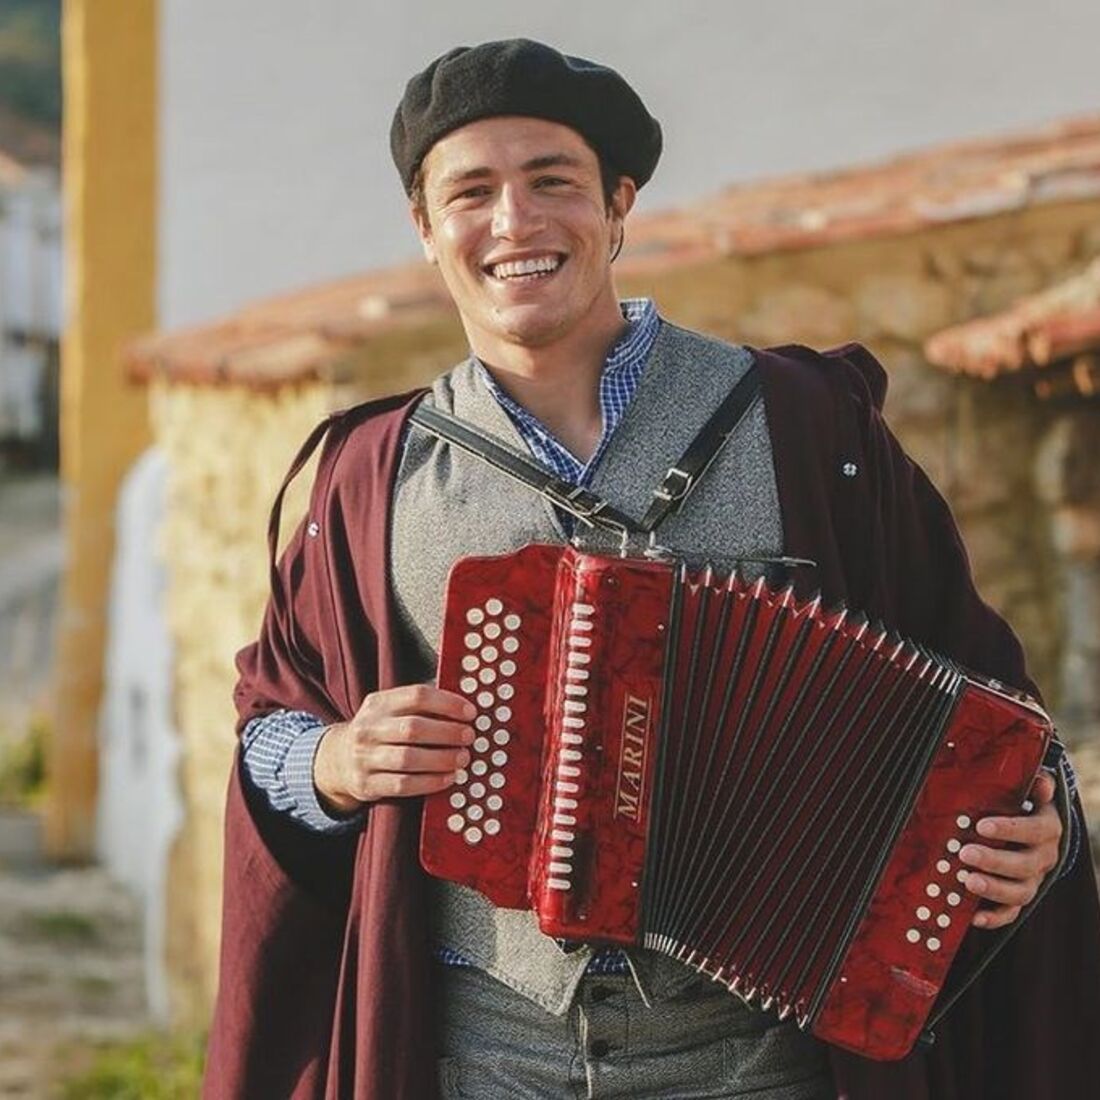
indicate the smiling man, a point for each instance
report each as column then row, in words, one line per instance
column 345, row 971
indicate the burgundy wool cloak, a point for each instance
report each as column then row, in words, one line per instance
column 325, row 986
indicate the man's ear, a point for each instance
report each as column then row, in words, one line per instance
column 622, row 198
column 423, row 231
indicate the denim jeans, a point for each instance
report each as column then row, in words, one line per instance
column 703, row 1042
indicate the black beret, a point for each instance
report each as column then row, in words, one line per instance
column 521, row 77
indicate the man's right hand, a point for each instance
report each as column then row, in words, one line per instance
column 403, row 741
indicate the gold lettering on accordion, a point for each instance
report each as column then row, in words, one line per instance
column 628, row 789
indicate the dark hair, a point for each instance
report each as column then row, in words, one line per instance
column 609, row 182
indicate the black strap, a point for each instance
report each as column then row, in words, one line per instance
column 682, row 478
column 581, row 503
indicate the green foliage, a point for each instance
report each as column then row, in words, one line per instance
column 60, row 926
column 23, row 764
column 30, row 59
column 154, row 1067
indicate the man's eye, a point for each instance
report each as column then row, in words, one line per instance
column 550, row 181
column 473, row 193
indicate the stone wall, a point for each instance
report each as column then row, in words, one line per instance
column 228, row 447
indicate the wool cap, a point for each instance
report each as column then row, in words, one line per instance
column 522, row 77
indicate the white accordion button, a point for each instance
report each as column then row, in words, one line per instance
column 485, row 699
column 490, row 653
column 932, row 890
column 506, row 691
column 913, row 936
column 494, row 803
column 962, row 821
column 455, row 822
column 477, row 790
column 962, row 874
column 473, row 641
column 943, row 920
column 503, row 714
column 461, row 776
column 954, row 845
column 492, row 630
column 492, row 826
column 475, row 616
column 482, row 723
column 943, row 866
column 512, row 622
column 458, row 800
column 487, row 675
column 501, row 737
column 475, row 813
column 494, row 606
column 479, row 767
column 953, row 898
column 481, row 744
column 467, row 685
column 507, row 668
column 510, row 645
column 470, row 663
column 472, row 835
column 499, row 758
column 923, row 913
column 496, row 780
column 933, row 943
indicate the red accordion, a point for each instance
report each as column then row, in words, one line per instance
column 770, row 791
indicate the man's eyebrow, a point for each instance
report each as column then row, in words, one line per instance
column 548, row 160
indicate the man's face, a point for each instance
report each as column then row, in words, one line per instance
column 515, row 217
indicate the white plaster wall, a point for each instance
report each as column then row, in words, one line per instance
column 274, row 163
column 140, row 809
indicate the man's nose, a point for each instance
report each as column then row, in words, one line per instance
column 515, row 214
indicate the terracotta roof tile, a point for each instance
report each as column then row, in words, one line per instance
column 1060, row 322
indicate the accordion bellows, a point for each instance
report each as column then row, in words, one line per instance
column 773, row 792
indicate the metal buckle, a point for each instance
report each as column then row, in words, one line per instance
column 669, row 490
column 577, row 501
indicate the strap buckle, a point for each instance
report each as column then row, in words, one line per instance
column 677, row 484
column 576, row 500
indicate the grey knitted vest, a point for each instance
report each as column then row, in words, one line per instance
column 448, row 505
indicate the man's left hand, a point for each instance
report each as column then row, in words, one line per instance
column 1010, row 877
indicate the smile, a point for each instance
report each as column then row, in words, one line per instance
column 525, row 271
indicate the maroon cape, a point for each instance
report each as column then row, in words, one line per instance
column 326, row 987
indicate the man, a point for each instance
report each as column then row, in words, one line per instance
column 522, row 166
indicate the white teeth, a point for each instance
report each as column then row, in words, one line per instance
column 513, row 268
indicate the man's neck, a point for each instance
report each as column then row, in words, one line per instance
column 559, row 383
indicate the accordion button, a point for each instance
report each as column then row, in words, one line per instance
column 507, row 668
column 506, row 691
column 496, row 780
column 962, row 821
column 503, row 714
column 490, row 653
column 479, row 767
column 483, row 722
column 492, row 630
column 512, row 622
column 923, row 912
column 472, row 835
column 481, row 744
column 475, row 616
column 943, row 866
column 943, row 920
column 494, row 606
column 501, row 737
column 933, row 943
column 473, row 641
column 455, row 822
column 477, row 790
column 954, row 845
column 485, row 699
column 474, row 813
column 494, row 803
column 913, row 936
column 467, row 685
column 499, row 758
column 470, row 663
column 961, row 874
column 461, row 776
column 458, row 800
column 932, row 890
column 953, row 899
column 510, row 645
column 487, row 675
column 492, row 826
